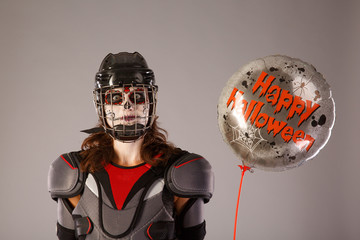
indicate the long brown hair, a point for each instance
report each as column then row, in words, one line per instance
column 98, row 149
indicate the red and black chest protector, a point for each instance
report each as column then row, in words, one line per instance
column 121, row 183
column 122, row 180
column 137, row 202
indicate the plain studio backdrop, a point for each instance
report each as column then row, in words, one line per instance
column 51, row 50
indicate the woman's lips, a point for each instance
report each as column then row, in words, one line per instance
column 128, row 118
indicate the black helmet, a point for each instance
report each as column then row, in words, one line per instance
column 125, row 95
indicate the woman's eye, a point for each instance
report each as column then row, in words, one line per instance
column 116, row 98
column 137, row 97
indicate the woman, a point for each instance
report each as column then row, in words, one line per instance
column 128, row 182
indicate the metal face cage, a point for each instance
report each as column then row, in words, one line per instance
column 126, row 111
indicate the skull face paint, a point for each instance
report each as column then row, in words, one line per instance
column 126, row 106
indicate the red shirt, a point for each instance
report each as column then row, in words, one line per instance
column 122, row 179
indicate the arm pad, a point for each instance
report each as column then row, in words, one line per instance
column 191, row 177
column 197, row 232
column 190, row 223
column 65, row 179
column 65, row 233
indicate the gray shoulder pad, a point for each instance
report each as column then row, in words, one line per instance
column 190, row 176
column 65, row 178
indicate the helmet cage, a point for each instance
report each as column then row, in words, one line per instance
column 105, row 95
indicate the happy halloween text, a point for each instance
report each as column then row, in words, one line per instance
column 278, row 98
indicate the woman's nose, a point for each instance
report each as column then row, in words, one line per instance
column 127, row 105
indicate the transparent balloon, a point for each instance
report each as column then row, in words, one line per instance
column 276, row 113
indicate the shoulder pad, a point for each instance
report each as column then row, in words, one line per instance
column 190, row 176
column 65, row 178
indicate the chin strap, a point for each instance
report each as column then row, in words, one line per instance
column 110, row 132
column 93, row 130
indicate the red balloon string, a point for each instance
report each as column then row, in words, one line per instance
column 243, row 170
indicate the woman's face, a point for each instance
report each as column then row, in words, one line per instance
column 126, row 106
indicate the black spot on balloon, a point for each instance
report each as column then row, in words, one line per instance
column 292, row 157
column 272, row 69
column 244, row 83
column 314, row 123
column 282, row 79
column 247, row 135
column 322, row 120
column 224, row 117
column 248, row 73
column 272, row 143
column 301, row 69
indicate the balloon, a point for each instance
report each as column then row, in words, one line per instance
column 276, row 113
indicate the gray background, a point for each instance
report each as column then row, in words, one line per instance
column 50, row 51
